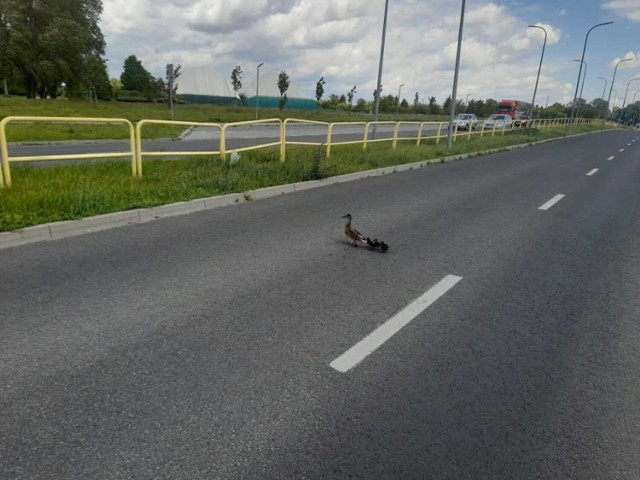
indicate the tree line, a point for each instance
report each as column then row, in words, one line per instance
column 52, row 47
column 389, row 104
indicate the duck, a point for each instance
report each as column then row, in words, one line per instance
column 355, row 236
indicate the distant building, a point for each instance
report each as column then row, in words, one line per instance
column 205, row 85
column 269, row 94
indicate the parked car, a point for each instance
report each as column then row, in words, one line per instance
column 521, row 120
column 498, row 121
column 465, row 121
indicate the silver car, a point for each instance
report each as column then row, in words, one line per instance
column 465, row 121
column 498, row 121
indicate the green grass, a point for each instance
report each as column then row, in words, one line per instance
column 72, row 191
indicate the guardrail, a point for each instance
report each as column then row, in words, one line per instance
column 369, row 131
column 5, row 173
column 140, row 153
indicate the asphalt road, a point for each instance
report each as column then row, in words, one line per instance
column 202, row 346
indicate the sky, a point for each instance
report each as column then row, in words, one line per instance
column 340, row 40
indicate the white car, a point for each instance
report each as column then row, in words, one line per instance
column 498, row 121
column 465, row 121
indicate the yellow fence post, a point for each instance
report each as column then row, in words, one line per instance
column 5, row 174
column 366, row 136
column 138, row 140
column 439, row 132
column 395, row 136
column 420, row 133
column 283, row 139
column 329, row 132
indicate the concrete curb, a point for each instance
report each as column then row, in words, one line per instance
column 70, row 228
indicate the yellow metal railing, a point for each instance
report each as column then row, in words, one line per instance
column 296, row 121
column 268, row 121
column 5, row 173
column 140, row 153
column 332, row 126
column 367, row 128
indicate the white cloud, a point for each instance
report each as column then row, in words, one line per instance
column 339, row 40
column 632, row 60
column 624, row 8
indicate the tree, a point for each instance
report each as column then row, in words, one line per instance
column 350, row 95
column 236, row 81
column 416, row 100
column 47, row 43
column 283, row 86
column 95, row 77
column 387, row 103
column 446, row 106
column 320, row 91
column 169, row 89
column 600, row 104
column 136, row 78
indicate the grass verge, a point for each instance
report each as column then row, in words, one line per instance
column 43, row 194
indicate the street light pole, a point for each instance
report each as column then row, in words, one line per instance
column 398, row 105
column 379, row 84
column 584, row 49
column 583, row 79
column 452, row 109
column 613, row 80
column 258, row 88
column 603, row 90
column 466, row 102
column 535, row 90
column 624, row 102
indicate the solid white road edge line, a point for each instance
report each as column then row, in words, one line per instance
column 551, row 203
column 592, row 172
column 611, row 157
column 384, row 332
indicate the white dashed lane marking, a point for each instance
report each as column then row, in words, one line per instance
column 551, row 203
column 384, row 332
column 592, row 172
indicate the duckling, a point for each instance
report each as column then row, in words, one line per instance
column 355, row 236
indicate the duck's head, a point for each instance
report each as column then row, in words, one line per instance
column 347, row 216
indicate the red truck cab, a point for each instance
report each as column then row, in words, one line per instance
column 510, row 107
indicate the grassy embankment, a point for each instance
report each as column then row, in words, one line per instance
column 73, row 191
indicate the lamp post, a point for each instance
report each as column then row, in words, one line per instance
column 603, row 90
column 258, row 87
column 535, row 89
column 466, row 102
column 624, row 102
column 584, row 49
column 583, row 79
column 379, row 84
column 613, row 80
column 398, row 105
column 452, row 108
column 634, row 97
